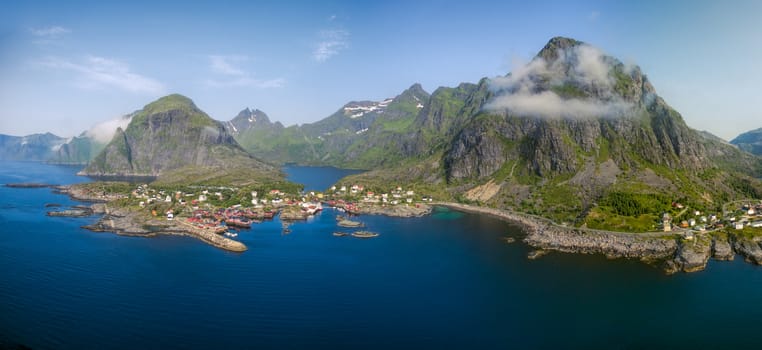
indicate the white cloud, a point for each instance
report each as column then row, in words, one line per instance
column 228, row 66
column 525, row 92
column 593, row 16
column 331, row 42
column 98, row 72
column 548, row 104
column 104, row 132
column 51, row 32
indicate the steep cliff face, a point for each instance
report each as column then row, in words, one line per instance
column 572, row 101
column 168, row 134
column 572, row 128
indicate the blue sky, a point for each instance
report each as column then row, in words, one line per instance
column 67, row 65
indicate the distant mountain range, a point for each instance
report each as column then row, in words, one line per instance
column 750, row 141
column 572, row 129
column 556, row 137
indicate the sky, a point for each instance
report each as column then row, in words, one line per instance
column 68, row 65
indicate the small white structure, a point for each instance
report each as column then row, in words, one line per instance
column 739, row 226
column 168, row 199
column 756, row 224
column 202, row 197
column 170, row 215
column 691, row 222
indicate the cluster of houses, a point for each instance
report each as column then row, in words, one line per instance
column 749, row 216
column 262, row 205
column 394, row 197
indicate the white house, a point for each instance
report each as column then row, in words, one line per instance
column 739, row 226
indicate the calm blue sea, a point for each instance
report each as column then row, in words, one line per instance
column 442, row 281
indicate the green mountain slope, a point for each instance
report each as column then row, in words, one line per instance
column 364, row 134
column 567, row 137
column 171, row 136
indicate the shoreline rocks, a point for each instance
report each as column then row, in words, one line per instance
column 669, row 250
column 400, row 210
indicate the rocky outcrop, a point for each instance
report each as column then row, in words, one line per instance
column 611, row 244
column 750, row 249
column 400, row 210
column 692, row 255
column 721, row 248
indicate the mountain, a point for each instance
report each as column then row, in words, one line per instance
column 750, row 141
column 361, row 134
column 35, row 147
column 566, row 136
column 78, row 150
column 171, row 136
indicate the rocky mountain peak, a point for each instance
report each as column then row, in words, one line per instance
column 167, row 134
column 555, row 45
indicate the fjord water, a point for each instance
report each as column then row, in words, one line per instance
column 442, row 281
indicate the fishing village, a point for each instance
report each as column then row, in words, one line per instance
column 216, row 215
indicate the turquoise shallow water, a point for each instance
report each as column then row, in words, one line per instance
column 442, row 281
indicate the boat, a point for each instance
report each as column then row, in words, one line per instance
column 340, row 234
column 364, row 234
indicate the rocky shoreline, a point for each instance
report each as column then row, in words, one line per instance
column 671, row 251
column 126, row 222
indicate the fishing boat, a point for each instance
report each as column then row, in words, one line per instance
column 340, row 234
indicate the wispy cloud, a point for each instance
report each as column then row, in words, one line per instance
column 330, row 43
column 227, row 64
column 593, row 16
column 99, row 72
column 51, row 32
column 233, row 75
column 525, row 91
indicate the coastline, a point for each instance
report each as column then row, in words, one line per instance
column 670, row 251
column 125, row 222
